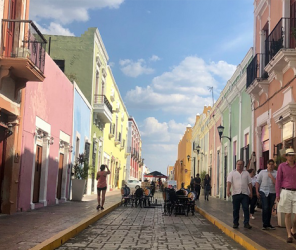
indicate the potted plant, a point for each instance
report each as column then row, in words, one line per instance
column 80, row 174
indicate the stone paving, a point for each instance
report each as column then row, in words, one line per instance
column 147, row 228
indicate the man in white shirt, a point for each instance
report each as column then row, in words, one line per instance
column 266, row 182
column 241, row 183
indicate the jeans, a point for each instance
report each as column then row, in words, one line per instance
column 197, row 190
column 238, row 199
column 267, row 204
column 253, row 202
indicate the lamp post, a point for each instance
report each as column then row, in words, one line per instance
column 220, row 131
column 193, row 159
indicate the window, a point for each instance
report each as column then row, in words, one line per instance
column 61, row 64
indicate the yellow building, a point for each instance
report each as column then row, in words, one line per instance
column 182, row 165
column 170, row 172
column 115, row 135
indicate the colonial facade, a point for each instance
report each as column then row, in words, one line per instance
column 84, row 59
column 183, row 166
column 215, row 155
column 47, row 140
column 82, row 120
column 22, row 59
column 271, row 79
column 115, row 136
column 134, row 161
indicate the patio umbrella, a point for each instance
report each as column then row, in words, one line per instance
column 155, row 174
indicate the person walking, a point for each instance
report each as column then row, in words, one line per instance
column 265, row 189
column 102, row 184
column 253, row 201
column 197, row 182
column 286, row 192
column 240, row 182
column 207, row 186
column 192, row 184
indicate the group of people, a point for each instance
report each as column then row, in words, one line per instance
column 196, row 184
column 269, row 185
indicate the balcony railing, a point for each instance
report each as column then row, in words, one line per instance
column 255, row 69
column 281, row 37
column 100, row 99
column 22, row 39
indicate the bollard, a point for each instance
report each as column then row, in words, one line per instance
column 155, row 201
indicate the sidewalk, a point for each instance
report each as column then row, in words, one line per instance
column 219, row 212
column 25, row 230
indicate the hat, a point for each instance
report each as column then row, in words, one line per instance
column 290, row 151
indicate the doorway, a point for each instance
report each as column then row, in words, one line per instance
column 37, row 174
column 265, row 158
column 60, row 177
column 10, row 28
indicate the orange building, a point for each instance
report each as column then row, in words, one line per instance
column 22, row 59
column 182, row 165
column 271, row 80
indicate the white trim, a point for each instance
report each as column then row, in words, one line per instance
column 64, row 137
column 43, row 125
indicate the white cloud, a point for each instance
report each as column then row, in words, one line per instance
column 67, row 11
column 184, row 89
column 160, row 141
column 135, row 69
column 154, row 58
column 55, row 29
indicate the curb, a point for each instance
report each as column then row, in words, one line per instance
column 229, row 231
column 60, row 238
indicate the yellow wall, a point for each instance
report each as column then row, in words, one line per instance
column 183, row 171
column 114, row 151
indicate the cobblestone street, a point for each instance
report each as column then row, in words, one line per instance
column 147, row 228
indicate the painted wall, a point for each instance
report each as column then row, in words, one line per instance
column 81, row 122
column 78, row 55
column 115, row 147
column 52, row 102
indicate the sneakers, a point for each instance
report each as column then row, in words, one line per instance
column 235, row 226
column 252, row 217
column 248, row 226
column 98, row 207
column 289, row 240
column 102, row 208
column 270, row 227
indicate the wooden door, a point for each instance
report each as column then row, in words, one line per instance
column 60, row 177
column 37, row 174
column 10, row 28
column 2, row 161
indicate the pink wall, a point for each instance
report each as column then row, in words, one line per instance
column 214, row 143
column 52, row 101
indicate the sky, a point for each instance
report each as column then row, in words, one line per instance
column 164, row 54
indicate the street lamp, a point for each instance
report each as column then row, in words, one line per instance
column 192, row 159
column 198, row 150
column 220, row 131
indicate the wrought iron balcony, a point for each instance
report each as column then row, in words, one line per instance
column 103, row 108
column 255, row 69
column 21, row 39
column 281, row 37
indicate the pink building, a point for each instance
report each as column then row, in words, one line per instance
column 46, row 145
